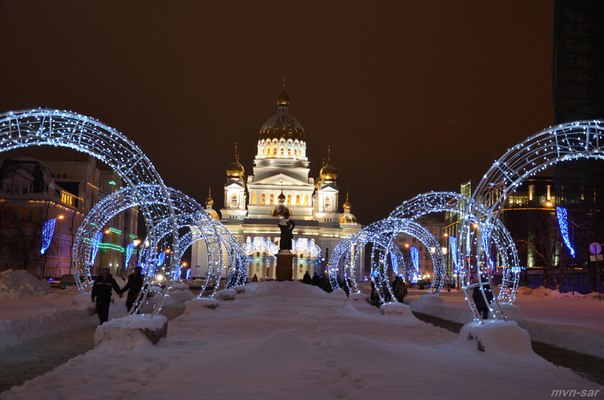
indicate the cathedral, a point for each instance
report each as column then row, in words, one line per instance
column 279, row 186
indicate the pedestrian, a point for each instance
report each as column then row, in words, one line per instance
column 316, row 279
column 399, row 287
column 306, row 278
column 134, row 286
column 374, row 297
column 479, row 300
column 101, row 293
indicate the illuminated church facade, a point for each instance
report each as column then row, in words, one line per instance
column 281, row 184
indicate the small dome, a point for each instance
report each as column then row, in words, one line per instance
column 347, row 218
column 235, row 170
column 212, row 213
column 209, row 200
column 281, row 198
column 328, row 172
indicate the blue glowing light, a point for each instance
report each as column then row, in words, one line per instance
column 95, row 246
column 129, row 251
column 47, row 231
column 414, row 252
column 161, row 257
column 453, row 251
column 563, row 222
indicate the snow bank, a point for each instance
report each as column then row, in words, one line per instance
column 226, row 294
column 397, row 310
column 20, row 283
column 495, row 338
column 200, row 305
column 133, row 332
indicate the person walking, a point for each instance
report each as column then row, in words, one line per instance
column 479, row 300
column 134, row 285
column 101, row 293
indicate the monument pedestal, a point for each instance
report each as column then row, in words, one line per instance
column 284, row 265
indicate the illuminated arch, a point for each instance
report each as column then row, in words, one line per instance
column 40, row 127
column 474, row 212
column 188, row 213
column 385, row 252
column 564, row 142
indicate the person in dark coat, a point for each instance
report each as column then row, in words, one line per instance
column 306, row 278
column 481, row 305
column 101, row 293
column 316, row 279
column 134, row 285
column 399, row 287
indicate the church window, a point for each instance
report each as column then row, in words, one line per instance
column 254, row 198
column 263, row 198
column 289, row 199
column 297, row 199
column 289, row 152
column 282, row 151
column 234, row 201
column 306, row 200
column 296, row 152
column 328, row 204
column 274, row 151
column 272, row 199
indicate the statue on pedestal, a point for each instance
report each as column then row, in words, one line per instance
column 286, row 226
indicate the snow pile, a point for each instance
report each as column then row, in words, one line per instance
column 200, row 305
column 397, row 309
column 179, row 295
column 495, row 337
column 339, row 294
column 358, row 297
column 543, row 292
column 133, row 332
column 20, row 283
column 226, row 294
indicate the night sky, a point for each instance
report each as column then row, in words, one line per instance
column 412, row 96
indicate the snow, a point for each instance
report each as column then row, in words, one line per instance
column 20, row 283
column 278, row 340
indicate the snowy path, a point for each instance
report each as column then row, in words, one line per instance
column 288, row 340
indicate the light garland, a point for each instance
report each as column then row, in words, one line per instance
column 562, row 216
column 47, row 231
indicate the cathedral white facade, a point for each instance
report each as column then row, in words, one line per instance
column 281, row 184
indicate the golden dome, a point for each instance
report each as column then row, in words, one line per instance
column 209, row 200
column 281, row 198
column 346, row 206
column 347, row 217
column 283, row 99
column 235, row 169
column 328, row 173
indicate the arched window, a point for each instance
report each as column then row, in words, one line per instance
column 254, row 198
column 282, row 151
column 234, row 201
column 328, row 204
column 289, row 199
column 272, row 199
column 289, row 152
column 306, row 200
column 274, row 151
column 263, row 198
column 296, row 152
column 297, row 199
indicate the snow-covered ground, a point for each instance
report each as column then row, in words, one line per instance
column 287, row 340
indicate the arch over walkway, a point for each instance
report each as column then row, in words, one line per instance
column 41, row 126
